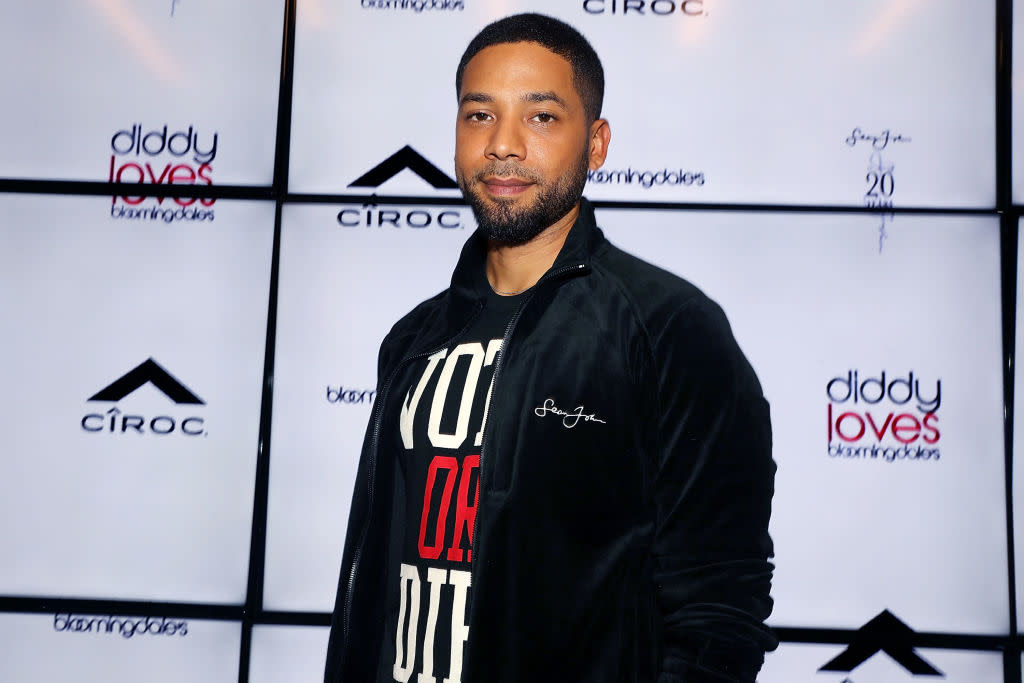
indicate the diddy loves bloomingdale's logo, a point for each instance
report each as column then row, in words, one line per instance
column 885, row 417
column 162, row 156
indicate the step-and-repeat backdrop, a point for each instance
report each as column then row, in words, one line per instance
column 137, row 326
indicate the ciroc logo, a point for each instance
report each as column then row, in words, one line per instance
column 416, row 6
column 884, row 417
column 116, row 421
column 884, row 633
column 406, row 158
column 372, row 216
column 690, row 8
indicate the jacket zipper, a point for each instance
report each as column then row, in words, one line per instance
column 577, row 268
column 372, row 467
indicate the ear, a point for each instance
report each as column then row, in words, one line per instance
column 600, row 136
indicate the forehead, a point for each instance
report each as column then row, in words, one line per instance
column 518, row 68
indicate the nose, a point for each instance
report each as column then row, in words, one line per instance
column 506, row 141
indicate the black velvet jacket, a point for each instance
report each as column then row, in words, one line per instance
column 629, row 547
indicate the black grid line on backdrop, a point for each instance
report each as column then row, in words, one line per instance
column 251, row 612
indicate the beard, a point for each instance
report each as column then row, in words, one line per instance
column 504, row 220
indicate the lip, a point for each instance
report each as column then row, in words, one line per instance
column 506, row 187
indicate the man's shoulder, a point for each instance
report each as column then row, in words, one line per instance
column 403, row 335
column 422, row 310
column 680, row 321
column 655, row 294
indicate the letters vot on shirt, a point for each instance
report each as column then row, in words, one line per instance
column 441, row 467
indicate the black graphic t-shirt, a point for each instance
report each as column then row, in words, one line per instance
column 438, row 441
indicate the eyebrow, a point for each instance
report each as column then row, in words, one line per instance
column 534, row 97
column 547, row 96
column 478, row 97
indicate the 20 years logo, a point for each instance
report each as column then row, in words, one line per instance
column 881, row 173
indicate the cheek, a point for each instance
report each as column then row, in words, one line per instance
column 558, row 159
column 462, row 160
column 468, row 147
column 545, row 154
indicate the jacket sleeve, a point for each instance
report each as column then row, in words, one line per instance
column 713, row 480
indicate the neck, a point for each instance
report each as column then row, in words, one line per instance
column 511, row 270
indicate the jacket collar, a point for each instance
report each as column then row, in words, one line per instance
column 469, row 281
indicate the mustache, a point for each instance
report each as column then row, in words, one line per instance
column 507, row 170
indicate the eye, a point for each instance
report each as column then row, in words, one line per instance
column 477, row 116
column 544, row 117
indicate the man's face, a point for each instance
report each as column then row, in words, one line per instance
column 523, row 143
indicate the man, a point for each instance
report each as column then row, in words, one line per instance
column 567, row 474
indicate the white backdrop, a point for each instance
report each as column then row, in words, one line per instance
column 341, row 289
column 291, row 654
column 44, row 647
column 133, row 512
column 80, row 72
column 873, row 103
column 1018, row 436
column 288, row 654
column 762, row 124
column 799, row 663
column 811, row 298
column 1017, row 106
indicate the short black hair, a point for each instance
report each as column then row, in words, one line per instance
column 555, row 35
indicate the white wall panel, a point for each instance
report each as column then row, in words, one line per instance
column 1017, row 105
column 135, row 326
column 811, row 298
column 760, row 102
column 341, row 289
column 288, row 654
column 113, row 649
column 800, row 663
column 145, row 494
column 80, row 72
column 1018, row 435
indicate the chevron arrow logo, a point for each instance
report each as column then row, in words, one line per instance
column 884, row 633
column 405, row 158
column 149, row 371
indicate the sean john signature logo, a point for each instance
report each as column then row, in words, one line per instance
column 879, row 142
column 569, row 418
